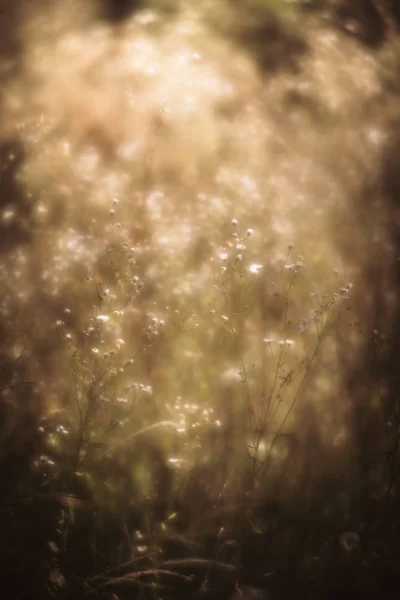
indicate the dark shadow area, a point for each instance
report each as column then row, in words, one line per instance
column 368, row 21
column 10, row 45
column 389, row 366
column 15, row 227
column 119, row 10
column 264, row 34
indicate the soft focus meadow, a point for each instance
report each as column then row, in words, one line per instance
column 199, row 304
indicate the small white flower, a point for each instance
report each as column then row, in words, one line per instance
column 103, row 318
column 255, row 268
column 287, row 342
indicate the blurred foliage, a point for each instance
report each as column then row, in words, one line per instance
column 199, row 389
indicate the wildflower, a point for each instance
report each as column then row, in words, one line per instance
column 255, row 268
column 303, row 325
column 290, row 246
column 103, row 318
column 286, row 342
